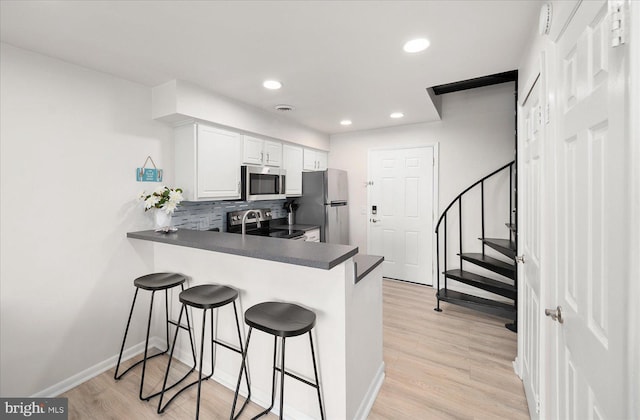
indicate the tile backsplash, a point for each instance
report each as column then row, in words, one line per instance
column 208, row 215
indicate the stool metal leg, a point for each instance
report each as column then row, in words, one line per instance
column 282, row 380
column 246, row 374
column 126, row 331
column 315, row 372
column 273, row 379
column 214, row 342
column 243, row 366
column 161, row 408
column 204, row 319
column 283, row 372
column 146, row 347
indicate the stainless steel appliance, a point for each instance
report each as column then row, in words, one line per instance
column 263, row 183
column 256, row 222
column 324, row 202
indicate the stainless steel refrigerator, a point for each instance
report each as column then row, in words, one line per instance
column 324, row 202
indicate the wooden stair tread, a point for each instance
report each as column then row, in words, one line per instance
column 504, row 246
column 491, row 285
column 474, row 302
column 498, row 266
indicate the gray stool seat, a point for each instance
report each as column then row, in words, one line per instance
column 208, row 296
column 280, row 318
column 159, row 281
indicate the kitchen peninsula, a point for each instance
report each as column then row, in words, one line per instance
column 342, row 287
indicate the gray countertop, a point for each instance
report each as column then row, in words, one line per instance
column 310, row 254
column 365, row 264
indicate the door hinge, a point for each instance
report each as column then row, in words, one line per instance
column 618, row 25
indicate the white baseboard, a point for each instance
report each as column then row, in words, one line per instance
column 517, row 367
column 97, row 369
column 371, row 395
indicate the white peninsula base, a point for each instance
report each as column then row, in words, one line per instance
column 347, row 335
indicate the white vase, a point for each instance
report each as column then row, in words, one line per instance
column 162, row 219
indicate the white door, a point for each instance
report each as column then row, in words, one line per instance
column 592, row 281
column 401, row 210
column 530, row 154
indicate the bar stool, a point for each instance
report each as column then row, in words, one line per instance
column 153, row 282
column 279, row 319
column 206, row 297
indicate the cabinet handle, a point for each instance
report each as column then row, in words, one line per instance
column 238, row 187
column 267, row 157
column 261, row 157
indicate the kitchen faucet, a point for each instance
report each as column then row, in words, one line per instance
column 256, row 213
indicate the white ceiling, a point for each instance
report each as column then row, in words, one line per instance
column 336, row 59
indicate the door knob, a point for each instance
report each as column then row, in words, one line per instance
column 519, row 259
column 555, row 314
column 374, row 220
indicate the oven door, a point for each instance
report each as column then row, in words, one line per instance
column 262, row 183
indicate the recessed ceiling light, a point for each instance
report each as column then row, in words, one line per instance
column 397, row 115
column 416, row 45
column 345, row 122
column 272, row 84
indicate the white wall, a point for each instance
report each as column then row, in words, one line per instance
column 475, row 137
column 71, row 139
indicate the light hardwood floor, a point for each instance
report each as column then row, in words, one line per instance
column 450, row 365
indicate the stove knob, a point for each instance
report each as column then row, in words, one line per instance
column 268, row 214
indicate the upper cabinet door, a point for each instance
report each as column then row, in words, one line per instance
column 217, row 155
column 310, row 161
column 272, row 153
column 314, row 160
column 323, row 158
column 260, row 152
column 252, row 153
column 292, row 163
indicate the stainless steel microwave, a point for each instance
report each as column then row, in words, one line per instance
column 263, row 183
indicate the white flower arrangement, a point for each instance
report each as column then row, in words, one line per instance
column 164, row 198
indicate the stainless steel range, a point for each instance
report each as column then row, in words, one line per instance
column 257, row 222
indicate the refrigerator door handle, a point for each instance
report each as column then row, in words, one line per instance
column 338, row 203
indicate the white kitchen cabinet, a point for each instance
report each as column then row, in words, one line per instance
column 206, row 162
column 323, row 160
column 315, row 160
column 260, row 152
column 292, row 163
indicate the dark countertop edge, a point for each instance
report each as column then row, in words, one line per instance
column 152, row 236
column 365, row 264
